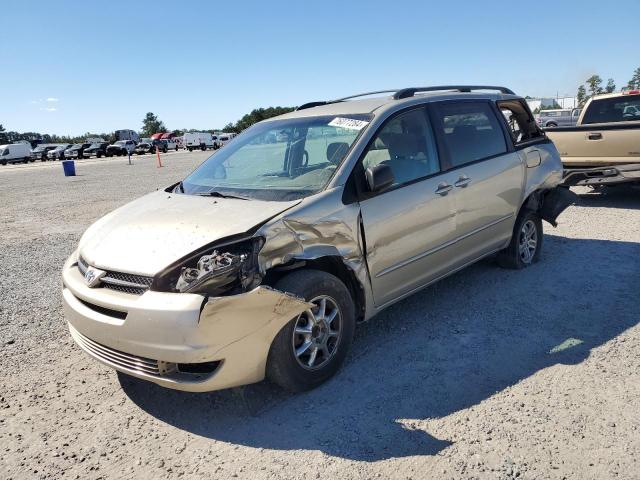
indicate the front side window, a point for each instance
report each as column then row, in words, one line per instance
column 617, row 109
column 407, row 145
column 279, row 159
column 470, row 131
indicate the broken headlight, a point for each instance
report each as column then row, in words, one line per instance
column 226, row 269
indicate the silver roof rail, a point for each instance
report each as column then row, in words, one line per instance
column 410, row 92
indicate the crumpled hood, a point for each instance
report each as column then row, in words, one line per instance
column 150, row 233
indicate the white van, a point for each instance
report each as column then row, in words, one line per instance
column 198, row 140
column 15, row 153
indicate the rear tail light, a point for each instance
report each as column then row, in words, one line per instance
column 631, row 92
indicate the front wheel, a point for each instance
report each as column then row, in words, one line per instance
column 526, row 242
column 311, row 347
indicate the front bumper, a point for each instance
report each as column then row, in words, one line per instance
column 159, row 336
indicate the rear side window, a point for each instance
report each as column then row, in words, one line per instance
column 470, row 131
column 521, row 124
column 617, row 109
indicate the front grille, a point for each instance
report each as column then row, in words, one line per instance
column 122, row 282
column 103, row 310
column 115, row 357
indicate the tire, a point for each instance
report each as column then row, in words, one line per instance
column 176, row 148
column 4, row 162
column 284, row 367
column 203, row 147
column 516, row 256
column 164, row 150
column 98, row 155
column 552, row 125
column 190, row 149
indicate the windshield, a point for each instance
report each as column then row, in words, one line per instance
column 280, row 159
column 617, row 109
column 120, row 142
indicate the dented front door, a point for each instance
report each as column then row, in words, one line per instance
column 408, row 233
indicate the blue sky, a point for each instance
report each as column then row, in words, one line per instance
column 71, row 67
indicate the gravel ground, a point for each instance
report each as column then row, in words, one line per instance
column 488, row 374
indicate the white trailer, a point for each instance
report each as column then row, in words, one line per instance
column 198, row 140
column 15, row 153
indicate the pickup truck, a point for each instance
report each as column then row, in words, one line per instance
column 604, row 146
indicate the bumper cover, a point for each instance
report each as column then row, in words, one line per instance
column 605, row 175
column 158, row 331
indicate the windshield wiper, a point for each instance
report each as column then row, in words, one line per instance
column 214, row 193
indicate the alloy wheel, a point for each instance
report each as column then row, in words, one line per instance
column 317, row 333
column 528, row 242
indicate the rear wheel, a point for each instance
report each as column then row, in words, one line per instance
column 552, row 125
column 526, row 242
column 311, row 347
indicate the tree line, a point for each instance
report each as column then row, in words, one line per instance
column 150, row 124
column 593, row 86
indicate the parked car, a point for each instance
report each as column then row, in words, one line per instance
column 604, row 147
column 99, row 149
column 224, row 139
column 199, row 141
column 58, row 152
column 169, row 144
column 41, row 152
column 262, row 261
column 121, row 147
column 76, row 151
column 558, row 118
column 15, row 153
column 145, row 147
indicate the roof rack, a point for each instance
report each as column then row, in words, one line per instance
column 337, row 100
column 410, row 92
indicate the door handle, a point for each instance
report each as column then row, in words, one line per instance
column 594, row 136
column 444, row 188
column 463, row 181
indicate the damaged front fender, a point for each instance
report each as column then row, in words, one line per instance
column 227, row 319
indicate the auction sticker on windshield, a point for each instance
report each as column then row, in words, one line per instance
column 349, row 123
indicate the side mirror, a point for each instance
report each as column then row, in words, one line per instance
column 533, row 158
column 379, row 177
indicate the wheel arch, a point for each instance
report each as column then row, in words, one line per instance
column 332, row 264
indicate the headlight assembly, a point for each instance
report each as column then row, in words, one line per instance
column 214, row 271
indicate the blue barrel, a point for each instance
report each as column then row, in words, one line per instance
column 69, row 167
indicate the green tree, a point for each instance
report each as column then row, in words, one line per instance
column 594, row 82
column 582, row 95
column 255, row 116
column 152, row 124
column 611, row 86
column 634, row 83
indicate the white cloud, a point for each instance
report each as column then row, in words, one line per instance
column 53, row 99
column 49, row 109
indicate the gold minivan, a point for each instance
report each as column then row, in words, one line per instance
column 262, row 261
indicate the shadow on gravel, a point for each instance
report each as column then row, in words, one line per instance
column 622, row 196
column 440, row 351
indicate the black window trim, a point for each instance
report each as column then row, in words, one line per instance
column 357, row 176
